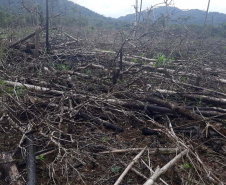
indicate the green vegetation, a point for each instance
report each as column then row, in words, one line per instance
column 41, row 157
column 105, row 139
column 115, row 169
column 183, row 79
column 135, row 60
column 200, row 101
column 89, row 72
column 62, row 67
column 161, row 60
column 186, row 166
column 19, row 91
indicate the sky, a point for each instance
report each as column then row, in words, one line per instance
column 117, row 8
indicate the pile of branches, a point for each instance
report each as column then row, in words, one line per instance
column 87, row 115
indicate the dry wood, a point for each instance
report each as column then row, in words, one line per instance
column 161, row 171
column 136, row 171
column 171, row 72
column 129, row 167
column 151, row 150
column 33, row 87
column 193, row 96
column 70, row 37
column 198, row 87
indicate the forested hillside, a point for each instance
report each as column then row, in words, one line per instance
column 177, row 15
column 26, row 11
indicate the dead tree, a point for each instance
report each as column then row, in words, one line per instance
column 207, row 13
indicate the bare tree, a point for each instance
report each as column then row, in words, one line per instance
column 136, row 15
column 207, row 12
column 47, row 25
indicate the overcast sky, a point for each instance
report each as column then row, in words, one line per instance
column 117, row 8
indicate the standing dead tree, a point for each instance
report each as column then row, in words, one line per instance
column 136, row 17
column 206, row 13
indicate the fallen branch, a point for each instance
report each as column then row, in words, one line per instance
column 129, row 167
column 161, row 171
column 135, row 171
column 193, row 96
column 151, row 150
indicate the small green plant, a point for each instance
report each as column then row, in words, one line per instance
column 200, row 101
column 105, row 139
column 185, row 100
column 224, row 48
column 41, row 157
column 143, row 55
column 2, row 82
column 183, row 79
column 161, row 60
column 89, row 72
column 129, row 181
column 171, row 87
column 119, row 81
column 45, row 50
column 135, row 60
column 20, row 91
column 62, row 67
column 115, row 169
column 187, row 165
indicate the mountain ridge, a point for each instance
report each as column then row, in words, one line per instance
column 192, row 16
column 70, row 11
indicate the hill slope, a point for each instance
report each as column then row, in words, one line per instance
column 71, row 12
column 193, row 16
